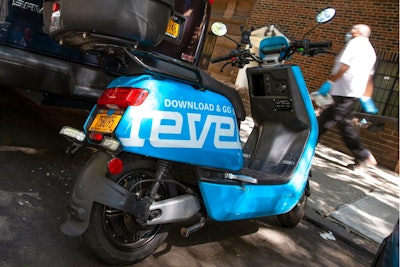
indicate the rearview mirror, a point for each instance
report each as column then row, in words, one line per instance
column 326, row 15
column 219, row 29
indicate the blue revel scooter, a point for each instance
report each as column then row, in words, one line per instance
column 168, row 148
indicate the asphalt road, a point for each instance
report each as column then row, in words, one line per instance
column 36, row 179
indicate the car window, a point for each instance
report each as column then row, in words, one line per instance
column 195, row 13
column 21, row 25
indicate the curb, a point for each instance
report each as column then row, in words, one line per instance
column 349, row 237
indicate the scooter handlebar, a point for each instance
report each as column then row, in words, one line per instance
column 306, row 44
column 319, row 44
column 231, row 55
column 241, row 57
column 308, row 48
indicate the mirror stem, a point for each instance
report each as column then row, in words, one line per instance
column 304, row 36
column 238, row 44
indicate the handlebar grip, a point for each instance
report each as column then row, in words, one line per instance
column 320, row 45
column 222, row 58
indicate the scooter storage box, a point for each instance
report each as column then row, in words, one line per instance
column 85, row 23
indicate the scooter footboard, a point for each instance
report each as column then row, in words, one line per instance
column 275, row 154
column 226, row 202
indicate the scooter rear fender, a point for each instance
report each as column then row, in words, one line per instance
column 92, row 186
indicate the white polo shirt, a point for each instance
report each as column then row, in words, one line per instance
column 360, row 56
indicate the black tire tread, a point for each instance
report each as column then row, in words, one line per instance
column 295, row 215
column 97, row 241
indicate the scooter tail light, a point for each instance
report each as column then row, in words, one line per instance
column 115, row 166
column 122, row 97
column 96, row 137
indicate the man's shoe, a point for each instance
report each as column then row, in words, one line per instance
column 368, row 162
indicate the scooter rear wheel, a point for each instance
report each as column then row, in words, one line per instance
column 295, row 215
column 115, row 236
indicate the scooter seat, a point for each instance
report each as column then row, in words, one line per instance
column 173, row 69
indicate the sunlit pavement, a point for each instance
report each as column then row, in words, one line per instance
column 36, row 183
column 360, row 206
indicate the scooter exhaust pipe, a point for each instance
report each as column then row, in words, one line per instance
column 187, row 231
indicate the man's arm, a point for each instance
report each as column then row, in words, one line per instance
column 341, row 71
column 366, row 101
column 370, row 87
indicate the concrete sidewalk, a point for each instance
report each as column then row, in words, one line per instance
column 358, row 206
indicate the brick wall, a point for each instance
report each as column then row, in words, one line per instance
column 296, row 17
column 382, row 138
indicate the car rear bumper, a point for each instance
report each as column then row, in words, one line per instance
column 32, row 71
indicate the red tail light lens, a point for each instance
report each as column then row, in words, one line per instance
column 115, row 166
column 98, row 137
column 122, row 97
column 55, row 7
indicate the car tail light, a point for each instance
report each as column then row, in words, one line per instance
column 122, row 97
column 115, row 166
column 55, row 7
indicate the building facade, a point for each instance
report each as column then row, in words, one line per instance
column 294, row 18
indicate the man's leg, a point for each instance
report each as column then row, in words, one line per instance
column 326, row 120
column 351, row 137
column 335, row 113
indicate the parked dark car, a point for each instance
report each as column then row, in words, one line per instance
column 30, row 59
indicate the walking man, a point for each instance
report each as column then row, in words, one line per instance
column 351, row 80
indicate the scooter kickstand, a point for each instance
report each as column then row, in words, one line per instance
column 186, row 231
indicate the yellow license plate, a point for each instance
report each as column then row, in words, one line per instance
column 104, row 123
column 172, row 29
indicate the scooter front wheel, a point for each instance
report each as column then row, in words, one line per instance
column 115, row 236
column 295, row 215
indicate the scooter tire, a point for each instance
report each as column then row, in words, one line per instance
column 295, row 215
column 105, row 235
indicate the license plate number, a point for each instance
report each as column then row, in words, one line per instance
column 104, row 123
column 172, row 28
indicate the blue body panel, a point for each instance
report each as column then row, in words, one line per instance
column 228, row 202
column 179, row 123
